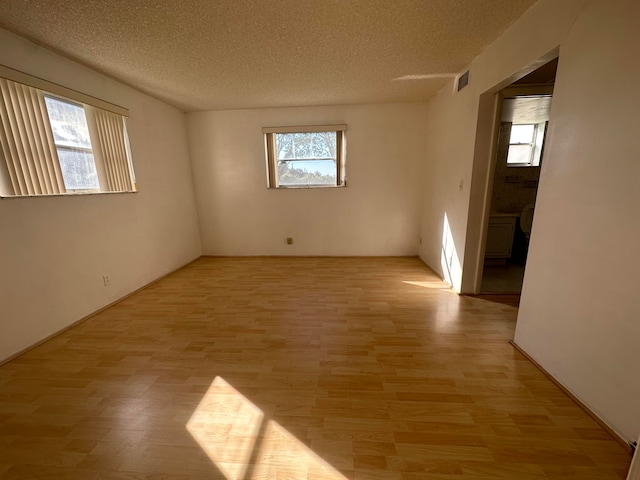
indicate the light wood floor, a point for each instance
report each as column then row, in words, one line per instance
column 274, row 368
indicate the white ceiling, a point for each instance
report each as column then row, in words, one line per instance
column 227, row 54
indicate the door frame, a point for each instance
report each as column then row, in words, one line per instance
column 481, row 187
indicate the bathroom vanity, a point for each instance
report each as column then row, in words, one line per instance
column 502, row 227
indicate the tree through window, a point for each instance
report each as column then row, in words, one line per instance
column 310, row 157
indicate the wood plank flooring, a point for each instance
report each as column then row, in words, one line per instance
column 295, row 368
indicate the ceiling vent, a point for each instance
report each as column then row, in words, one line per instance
column 463, row 80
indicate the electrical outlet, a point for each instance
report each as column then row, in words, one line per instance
column 289, row 240
column 107, row 280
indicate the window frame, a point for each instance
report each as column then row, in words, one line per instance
column 107, row 127
column 97, row 160
column 535, row 160
column 272, row 160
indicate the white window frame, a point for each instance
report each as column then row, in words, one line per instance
column 107, row 124
column 98, row 164
column 272, row 161
column 536, row 146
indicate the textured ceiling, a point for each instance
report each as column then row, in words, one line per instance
column 226, row 54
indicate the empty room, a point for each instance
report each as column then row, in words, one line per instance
column 250, row 240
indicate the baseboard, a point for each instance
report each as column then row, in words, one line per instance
column 215, row 255
column 578, row 402
column 87, row 317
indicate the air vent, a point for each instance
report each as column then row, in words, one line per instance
column 463, row 80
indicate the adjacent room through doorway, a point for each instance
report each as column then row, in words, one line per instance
column 524, row 119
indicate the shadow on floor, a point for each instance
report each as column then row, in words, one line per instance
column 502, row 278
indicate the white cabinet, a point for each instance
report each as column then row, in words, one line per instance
column 502, row 226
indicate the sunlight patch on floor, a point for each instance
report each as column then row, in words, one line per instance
column 244, row 445
column 433, row 284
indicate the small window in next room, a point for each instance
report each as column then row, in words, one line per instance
column 525, row 144
column 305, row 157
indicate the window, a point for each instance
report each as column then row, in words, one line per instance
column 73, row 144
column 525, row 144
column 305, row 157
column 56, row 141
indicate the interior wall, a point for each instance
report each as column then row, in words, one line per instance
column 579, row 307
column 454, row 200
column 579, row 314
column 55, row 250
column 378, row 213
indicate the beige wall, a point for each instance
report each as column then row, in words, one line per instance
column 579, row 310
column 377, row 214
column 54, row 251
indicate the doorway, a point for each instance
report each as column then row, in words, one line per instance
column 524, row 108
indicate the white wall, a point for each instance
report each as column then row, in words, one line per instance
column 54, row 251
column 579, row 309
column 376, row 214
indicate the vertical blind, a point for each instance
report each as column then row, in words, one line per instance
column 111, row 131
column 27, row 141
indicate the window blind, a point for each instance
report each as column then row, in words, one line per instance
column 27, row 141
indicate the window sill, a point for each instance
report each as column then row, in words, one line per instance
column 306, row 187
column 73, row 194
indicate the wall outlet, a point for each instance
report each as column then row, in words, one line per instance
column 289, row 240
column 107, row 280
